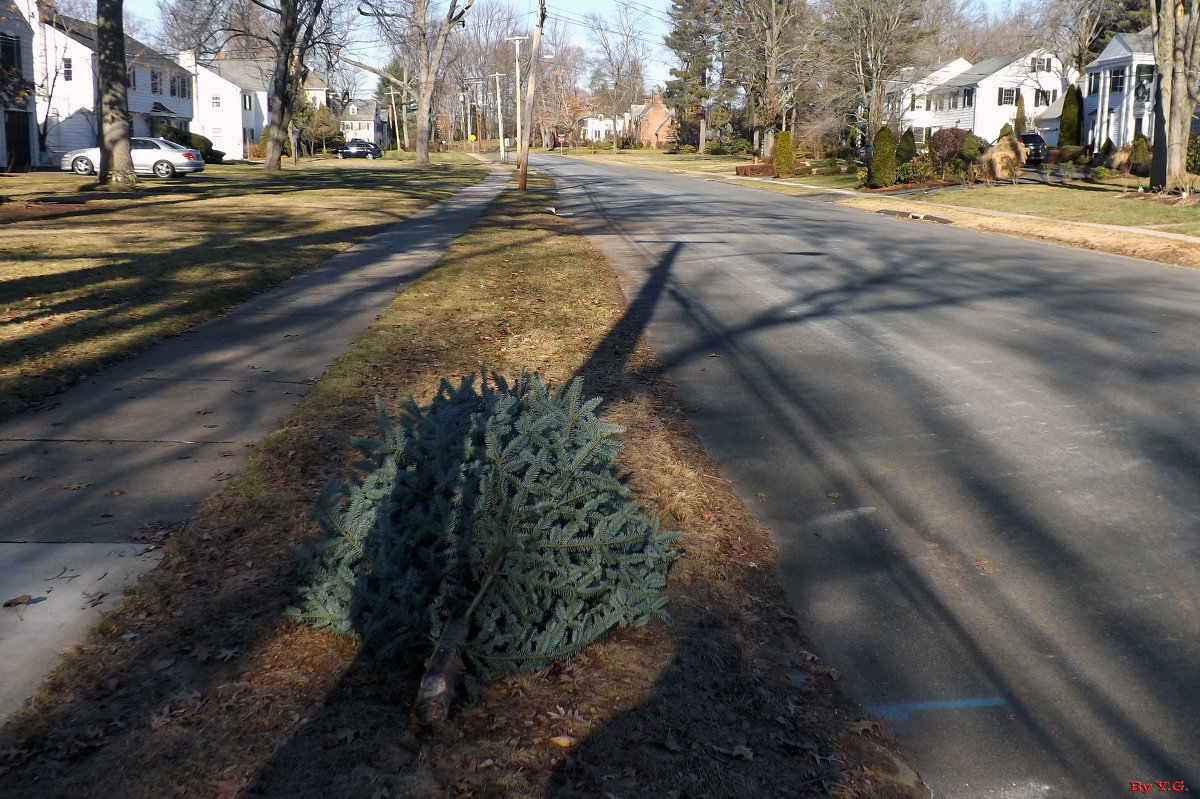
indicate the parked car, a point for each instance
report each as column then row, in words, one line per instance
column 158, row 157
column 1035, row 148
column 357, row 148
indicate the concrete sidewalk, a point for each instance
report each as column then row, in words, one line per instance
column 147, row 440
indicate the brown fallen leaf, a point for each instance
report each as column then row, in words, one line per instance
column 17, row 600
column 116, row 492
column 564, row 741
column 834, row 495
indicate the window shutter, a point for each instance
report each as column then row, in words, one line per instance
column 1000, row 96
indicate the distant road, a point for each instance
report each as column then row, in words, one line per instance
column 979, row 456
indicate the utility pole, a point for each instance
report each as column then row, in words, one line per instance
column 500, row 113
column 516, row 40
column 476, row 96
column 396, row 128
column 522, row 135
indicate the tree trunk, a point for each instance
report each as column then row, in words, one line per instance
column 116, row 162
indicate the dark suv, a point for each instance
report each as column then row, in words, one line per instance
column 357, row 148
column 1035, row 148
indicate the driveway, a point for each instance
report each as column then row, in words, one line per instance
column 978, row 456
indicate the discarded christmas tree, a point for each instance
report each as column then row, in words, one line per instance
column 491, row 522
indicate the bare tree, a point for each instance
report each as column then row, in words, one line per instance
column 877, row 39
column 288, row 31
column 416, row 30
column 1176, row 28
column 1074, row 26
column 116, row 162
column 777, row 42
column 194, row 25
column 617, row 67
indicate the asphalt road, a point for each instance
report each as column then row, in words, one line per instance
column 979, row 457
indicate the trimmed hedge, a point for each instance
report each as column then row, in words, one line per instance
column 755, row 170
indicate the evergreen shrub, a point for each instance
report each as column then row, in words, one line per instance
column 785, row 155
column 906, row 150
column 1100, row 173
column 1005, row 132
column 193, row 140
column 918, row 170
column 686, row 149
column 1070, row 133
column 501, row 500
column 1193, row 155
column 1139, row 157
column 883, row 159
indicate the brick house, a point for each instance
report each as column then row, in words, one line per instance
column 656, row 124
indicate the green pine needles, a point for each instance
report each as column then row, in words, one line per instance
column 495, row 505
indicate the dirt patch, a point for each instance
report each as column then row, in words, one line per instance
column 1133, row 243
column 15, row 210
column 196, row 686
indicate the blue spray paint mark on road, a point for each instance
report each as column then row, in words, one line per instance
column 902, row 712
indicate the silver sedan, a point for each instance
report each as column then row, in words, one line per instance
column 158, row 157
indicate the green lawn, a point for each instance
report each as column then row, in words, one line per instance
column 1076, row 201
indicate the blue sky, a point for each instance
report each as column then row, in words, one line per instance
column 571, row 11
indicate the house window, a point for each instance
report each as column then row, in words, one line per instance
column 912, row 102
column 954, row 100
column 968, row 98
column 216, row 131
column 928, row 103
column 132, row 78
column 216, row 101
column 67, row 71
column 185, row 86
column 10, row 51
column 1006, row 97
column 174, row 86
column 1093, row 85
column 247, row 102
column 1041, row 98
column 1039, row 65
column 155, row 82
column 1116, row 79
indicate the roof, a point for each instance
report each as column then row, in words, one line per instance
column 1122, row 46
column 85, row 33
column 253, row 74
column 988, row 66
column 367, row 110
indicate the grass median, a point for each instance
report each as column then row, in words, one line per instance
column 88, row 278
column 197, row 687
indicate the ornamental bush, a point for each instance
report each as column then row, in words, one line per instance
column 918, row 170
column 193, row 140
column 883, row 159
column 785, row 155
column 497, row 499
column 1193, row 155
column 1139, row 157
column 907, row 149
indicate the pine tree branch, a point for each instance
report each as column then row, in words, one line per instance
column 440, row 682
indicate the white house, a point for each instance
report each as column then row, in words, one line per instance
column 598, row 127
column 1118, row 101
column 231, row 98
column 18, row 134
column 361, row 120
column 65, row 67
column 983, row 98
column 908, row 102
